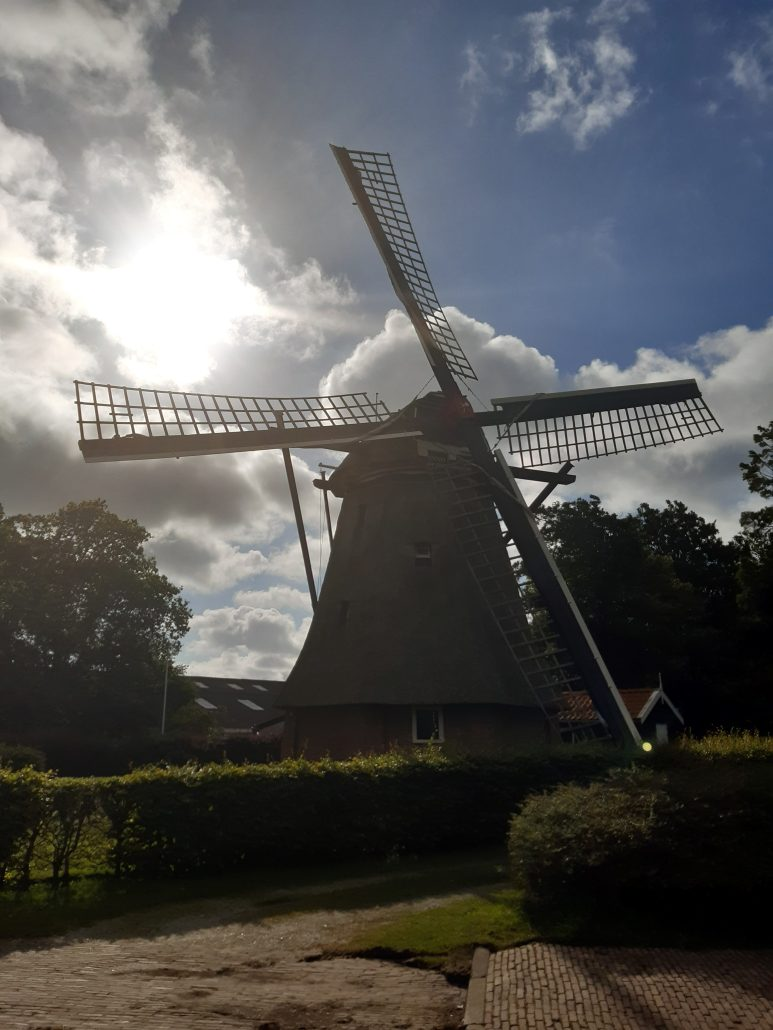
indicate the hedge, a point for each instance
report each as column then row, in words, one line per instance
column 169, row 821
column 179, row 820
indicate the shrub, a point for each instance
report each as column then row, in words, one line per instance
column 662, row 841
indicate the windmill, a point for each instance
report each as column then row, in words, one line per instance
column 442, row 614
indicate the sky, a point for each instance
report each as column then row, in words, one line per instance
column 589, row 182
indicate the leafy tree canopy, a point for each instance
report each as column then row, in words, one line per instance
column 637, row 608
column 756, row 544
column 757, row 472
column 86, row 620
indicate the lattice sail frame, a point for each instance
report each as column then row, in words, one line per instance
column 596, row 434
column 379, row 183
column 106, row 412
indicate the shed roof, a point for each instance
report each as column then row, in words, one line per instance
column 578, row 707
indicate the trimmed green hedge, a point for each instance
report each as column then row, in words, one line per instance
column 178, row 820
column 172, row 821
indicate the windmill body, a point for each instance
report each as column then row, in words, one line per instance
column 442, row 614
column 399, row 631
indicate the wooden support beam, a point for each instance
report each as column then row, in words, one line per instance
column 541, row 476
column 324, row 489
column 543, row 495
column 299, row 523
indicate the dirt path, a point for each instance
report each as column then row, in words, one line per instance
column 227, row 964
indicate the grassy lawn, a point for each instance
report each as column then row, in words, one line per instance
column 42, row 911
column 445, row 936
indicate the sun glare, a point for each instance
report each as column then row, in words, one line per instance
column 172, row 306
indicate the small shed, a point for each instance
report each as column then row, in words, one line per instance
column 656, row 716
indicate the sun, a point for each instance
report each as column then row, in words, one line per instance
column 172, row 306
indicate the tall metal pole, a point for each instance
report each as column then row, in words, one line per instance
column 163, row 706
column 299, row 523
column 327, row 509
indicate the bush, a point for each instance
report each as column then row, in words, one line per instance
column 689, row 839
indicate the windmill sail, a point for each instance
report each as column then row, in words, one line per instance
column 120, row 423
column 579, row 424
column 371, row 178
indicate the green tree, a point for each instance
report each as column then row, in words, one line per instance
column 643, row 617
column 698, row 553
column 86, row 622
column 755, row 577
column 757, row 472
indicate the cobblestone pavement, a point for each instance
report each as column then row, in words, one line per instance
column 549, row 986
column 218, row 966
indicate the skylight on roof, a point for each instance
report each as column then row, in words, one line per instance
column 250, row 704
column 203, row 686
column 203, row 703
column 235, row 686
column 259, row 686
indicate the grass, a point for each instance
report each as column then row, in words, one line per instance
column 445, row 936
column 43, row 911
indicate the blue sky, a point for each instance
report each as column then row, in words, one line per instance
column 589, row 182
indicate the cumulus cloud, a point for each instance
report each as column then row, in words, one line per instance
column 393, row 363
column 243, row 642
column 583, row 73
column 734, row 368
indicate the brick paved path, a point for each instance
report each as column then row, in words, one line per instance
column 547, row 986
column 218, row 966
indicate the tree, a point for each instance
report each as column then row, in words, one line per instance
column 698, row 553
column 758, row 471
column 86, row 621
column 755, row 576
column 642, row 615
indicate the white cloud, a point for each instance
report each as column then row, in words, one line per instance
column 751, row 67
column 734, row 368
column 201, row 50
column 280, row 598
column 243, row 641
column 94, row 49
column 475, row 82
column 202, row 564
column 392, row 362
column 585, row 81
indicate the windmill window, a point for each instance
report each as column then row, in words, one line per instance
column 422, row 555
column 428, row 725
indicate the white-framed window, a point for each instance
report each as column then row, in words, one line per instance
column 661, row 732
column 428, row 725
